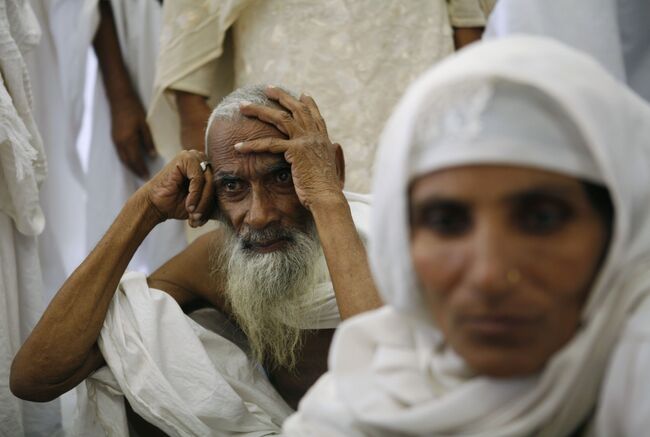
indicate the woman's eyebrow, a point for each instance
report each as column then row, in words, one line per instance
column 554, row 191
column 436, row 201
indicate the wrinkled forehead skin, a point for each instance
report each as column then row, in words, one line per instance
column 614, row 123
column 224, row 134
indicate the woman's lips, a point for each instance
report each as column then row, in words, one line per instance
column 498, row 326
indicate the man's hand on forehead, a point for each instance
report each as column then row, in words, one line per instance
column 316, row 163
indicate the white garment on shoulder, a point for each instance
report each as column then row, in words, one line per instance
column 178, row 376
column 624, row 407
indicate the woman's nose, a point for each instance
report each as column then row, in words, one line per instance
column 493, row 270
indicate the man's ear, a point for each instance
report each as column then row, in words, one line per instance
column 340, row 163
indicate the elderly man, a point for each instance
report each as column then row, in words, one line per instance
column 276, row 185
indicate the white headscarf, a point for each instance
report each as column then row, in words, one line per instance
column 387, row 377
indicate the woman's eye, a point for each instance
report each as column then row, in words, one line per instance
column 283, row 176
column 447, row 221
column 543, row 218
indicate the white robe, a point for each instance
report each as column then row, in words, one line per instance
column 616, row 32
column 57, row 70
column 22, row 169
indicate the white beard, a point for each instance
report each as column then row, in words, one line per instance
column 267, row 291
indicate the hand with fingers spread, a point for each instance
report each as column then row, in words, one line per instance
column 317, row 166
column 183, row 189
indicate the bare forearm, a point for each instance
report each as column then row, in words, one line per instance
column 64, row 340
column 466, row 35
column 346, row 258
column 109, row 56
column 194, row 112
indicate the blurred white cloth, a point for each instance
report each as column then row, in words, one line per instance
column 615, row 32
column 390, row 372
column 108, row 183
column 354, row 57
column 22, row 170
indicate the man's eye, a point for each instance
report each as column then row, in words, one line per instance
column 543, row 218
column 283, row 176
column 231, row 186
column 446, row 221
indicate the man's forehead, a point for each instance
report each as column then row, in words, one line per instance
column 224, row 134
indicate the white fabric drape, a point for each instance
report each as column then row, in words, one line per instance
column 183, row 379
column 386, row 376
column 22, row 169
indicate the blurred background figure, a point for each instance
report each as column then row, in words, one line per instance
column 121, row 154
column 57, row 69
column 95, row 135
column 22, row 170
column 615, row 32
column 354, row 57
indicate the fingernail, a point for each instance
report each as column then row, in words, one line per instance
column 191, row 208
column 196, row 217
column 244, row 103
column 238, row 146
column 270, row 86
column 306, row 94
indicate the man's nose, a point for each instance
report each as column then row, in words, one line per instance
column 262, row 211
column 493, row 271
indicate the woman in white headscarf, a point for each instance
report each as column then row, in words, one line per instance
column 511, row 244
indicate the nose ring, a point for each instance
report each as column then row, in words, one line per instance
column 513, row 276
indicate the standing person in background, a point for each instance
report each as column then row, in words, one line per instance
column 122, row 153
column 615, row 32
column 354, row 56
column 57, row 69
column 22, row 170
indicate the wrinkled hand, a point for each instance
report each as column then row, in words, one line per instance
column 182, row 190
column 131, row 136
column 316, row 163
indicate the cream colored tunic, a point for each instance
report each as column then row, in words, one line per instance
column 355, row 57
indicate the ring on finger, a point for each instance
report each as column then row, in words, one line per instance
column 204, row 165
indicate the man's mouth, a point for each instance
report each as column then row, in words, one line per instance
column 268, row 245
